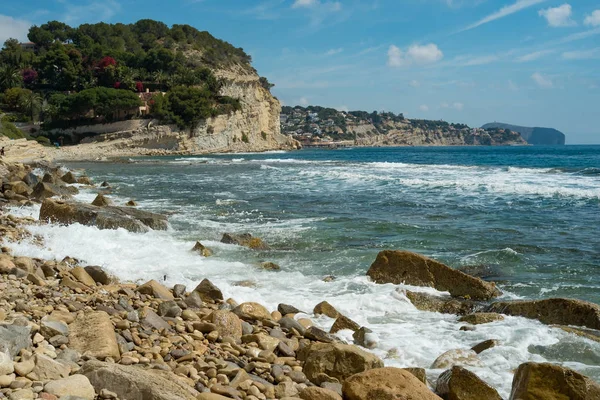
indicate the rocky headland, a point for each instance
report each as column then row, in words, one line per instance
column 73, row 331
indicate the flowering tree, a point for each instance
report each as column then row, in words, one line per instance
column 139, row 86
column 107, row 62
column 29, row 76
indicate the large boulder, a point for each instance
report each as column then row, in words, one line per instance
column 208, row 291
column 245, row 240
column 14, row 338
column 75, row 385
column 552, row 311
column 414, row 269
column 461, row 384
column 132, row 219
column 456, row 357
column 155, row 289
column 386, row 384
column 133, row 383
column 338, row 361
column 534, row 381
column 252, row 312
column 228, row 324
column 44, row 190
column 93, row 335
column 481, row 318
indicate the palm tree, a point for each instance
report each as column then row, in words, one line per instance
column 31, row 104
column 9, row 77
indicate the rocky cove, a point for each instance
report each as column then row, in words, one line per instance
column 75, row 331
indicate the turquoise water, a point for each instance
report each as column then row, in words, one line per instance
column 525, row 217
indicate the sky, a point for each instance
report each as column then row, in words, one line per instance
column 525, row 62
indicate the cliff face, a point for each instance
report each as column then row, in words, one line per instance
column 535, row 136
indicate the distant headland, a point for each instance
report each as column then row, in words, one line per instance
column 535, row 136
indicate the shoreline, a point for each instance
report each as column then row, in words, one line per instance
column 152, row 296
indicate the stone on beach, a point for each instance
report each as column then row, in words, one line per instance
column 92, row 334
column 442, row 304
column 461, row 384
column 399, row 267
column 208, row 291
column 155, row 289
column 245, row 240
column 326, row 309
column 109, row 217
column 75, row 385
column 101, row 201
column 252, row 311
column 386, row 384
column 460, row 357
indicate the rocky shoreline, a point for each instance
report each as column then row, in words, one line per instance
column 72, row 331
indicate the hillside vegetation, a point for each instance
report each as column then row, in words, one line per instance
column 99, row 72
column 314, row 124
column 535, row 136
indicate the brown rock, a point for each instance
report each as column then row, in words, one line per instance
column 386, row 384
column 326, row 309
column 343, row 322
column 82, row 276
column 444, row 305
column 131, row 203
column 319, row 335
column 339, row 361
column 363, row 338
column 461, row 384
column 270, row 266
column 591, row 334
column 227, row 324
column 203, row 251
column 155, row 289
column 246, row 240
column 419, row 373
column 101, row 201
column 92, row 334
column 414, row 269
column 317, row 393
column 99, row 275
column 534, row 381
column 483, row 346
column 208, row 292
column 553, row 311
column 252, row 312
column 133, row 383
column 481, row 318
column 68, row 178
column 456, row 357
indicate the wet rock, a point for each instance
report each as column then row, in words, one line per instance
column 286, row 309
column 290, row 323
column 68, row 178
column 208, row 292
column 419, row 373
column 460, row 357
column 314, row 333
column 92, row 334
column 591, row 334
column 84, row 180
column 326, row 309
column 101, row 201
column 252, row 312
column 534, row 381
column 131, row 203
column 245, row 240
column 343, row 322
column 461, row 384
column 414, row 269
column 386, row 383
column 365, row 337
column 76, row 385
column 444, row 305
column 339, row 361
column 155, row 289
column 483, row 346
column 270, row 266
column 481, row 318
column 43, row 191
column 203, row 251
column 552, row 311
column 101, row 217
column 82, row 276
column 133, row 383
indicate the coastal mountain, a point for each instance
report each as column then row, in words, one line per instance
column 146, row 85
column 535, row 136
column 316, row 126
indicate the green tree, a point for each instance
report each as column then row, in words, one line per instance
column 9, row 77
column 188, row 105
column 31, row 104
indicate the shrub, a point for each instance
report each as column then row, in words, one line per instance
column 43, row 140
column 264, row 135
column 245, row 138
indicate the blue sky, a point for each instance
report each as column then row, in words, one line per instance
column 527, row 62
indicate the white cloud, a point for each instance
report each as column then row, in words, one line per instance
column 332, row 52
column 414, row 83
column 456, row 106
column 416, row 54
column 479, row 60
column 304, row 3
column 558, row 16
column 534, row 56
column 542, row 81
column 13, row 28
column 424, row 107
column 582, row 54
column 593, row 19
column 504, row 12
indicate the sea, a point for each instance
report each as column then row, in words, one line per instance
column 527, row 218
